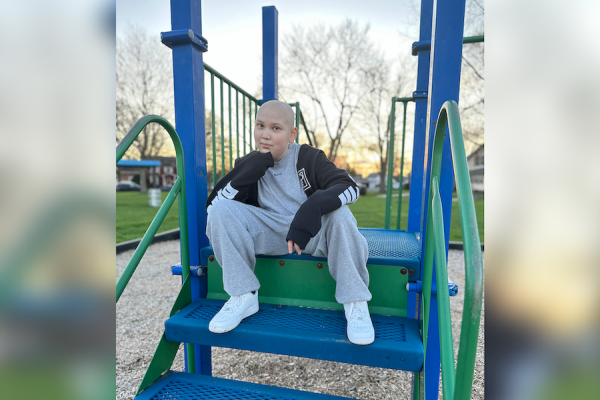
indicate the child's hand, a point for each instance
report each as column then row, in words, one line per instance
column 291, row 245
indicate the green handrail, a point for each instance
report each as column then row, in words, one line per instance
column 456, row 384
column 250, row 124
column 300, row 117
column 390, row 169
column 245, row 146
column 474, row 39
column 178, row 187
column 229, row 82
column 230, row 133
column 222, row 133
column 443, row 297
column 213, row 135
column 223, row 80
column 305, row 128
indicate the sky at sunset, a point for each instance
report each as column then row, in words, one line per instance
column 233, row 30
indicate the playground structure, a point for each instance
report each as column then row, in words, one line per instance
column 298, row 313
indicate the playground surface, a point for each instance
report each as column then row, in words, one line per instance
column 145, row 306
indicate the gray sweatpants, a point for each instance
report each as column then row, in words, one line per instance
column 238, row 232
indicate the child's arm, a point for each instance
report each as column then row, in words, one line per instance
column 236, row 184
column 335, row 188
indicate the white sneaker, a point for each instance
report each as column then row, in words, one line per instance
column 233, row 312
column 360, row 328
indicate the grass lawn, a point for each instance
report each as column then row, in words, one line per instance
column 369, row 212
column 134, row 215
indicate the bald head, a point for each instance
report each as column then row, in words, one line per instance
column 282, row 109
column 274, row 129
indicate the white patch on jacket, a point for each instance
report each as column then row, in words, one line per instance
column 227, row 193
column 349, row 196
column 304, row 180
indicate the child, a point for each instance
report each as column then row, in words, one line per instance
column 287, row 196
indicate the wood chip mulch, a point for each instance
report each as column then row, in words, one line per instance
column 145, row 305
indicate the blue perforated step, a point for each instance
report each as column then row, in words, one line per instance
column 303, row 332
column 386, row 247
column 387, row 244
column 182, row 386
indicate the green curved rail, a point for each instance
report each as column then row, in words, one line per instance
column 178, row 187
column 164, row 354
column 456, row 384
column 388, row 196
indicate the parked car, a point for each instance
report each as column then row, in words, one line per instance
column 362, row 189
column 127, row 186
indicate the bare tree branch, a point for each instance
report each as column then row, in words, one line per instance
column 323, row 66
column 144, row 85
column 473, row 68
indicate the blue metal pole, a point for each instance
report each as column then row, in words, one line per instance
column 416, row 180
column 187, row 44
column 270, row 18
column 420, row 96
column 445, row 63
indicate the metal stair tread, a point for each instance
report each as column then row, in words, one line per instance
column 184, row 386
column 386, row 247
column 303, row 332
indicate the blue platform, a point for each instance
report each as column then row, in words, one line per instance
column 303, row 332
column 386, row 247
column 182, row 386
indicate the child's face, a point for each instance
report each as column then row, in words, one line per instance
column 274, row 129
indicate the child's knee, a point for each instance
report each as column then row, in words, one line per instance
column 342, row 215
column 220, row 208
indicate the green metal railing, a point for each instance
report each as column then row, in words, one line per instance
column 473, row 39
column 426, row 44
column 241, row 147
column 456, row 384
column 390, row 169
column 404, row 100
column 300, row 120
column 166, row 351
column 244, row 146
column 297, row 120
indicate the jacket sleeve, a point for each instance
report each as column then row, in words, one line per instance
column 236, row 184
column 335, row 188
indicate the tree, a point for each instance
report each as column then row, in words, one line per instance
column 472, row 85
column 381, row 81
column 472, row 95
column 144, row 85
column 324, row 66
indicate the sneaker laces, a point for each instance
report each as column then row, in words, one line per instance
column 233, row 303
column 358, row 312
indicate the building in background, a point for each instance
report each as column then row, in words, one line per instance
column 475, row 162
column 162, row 175
column 166, row 174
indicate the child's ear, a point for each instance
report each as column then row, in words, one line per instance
column 294, row 134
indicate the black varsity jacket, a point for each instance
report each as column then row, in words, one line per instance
column 326, row 186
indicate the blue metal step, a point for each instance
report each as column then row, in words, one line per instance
column 183, row 386
column 303, row 332
column 386, row 247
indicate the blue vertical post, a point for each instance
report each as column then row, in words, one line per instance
column 187, row 44
column 444, row 84
column 270, row 18
column 416, row 180
column 417, row 170
column 420, row 96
